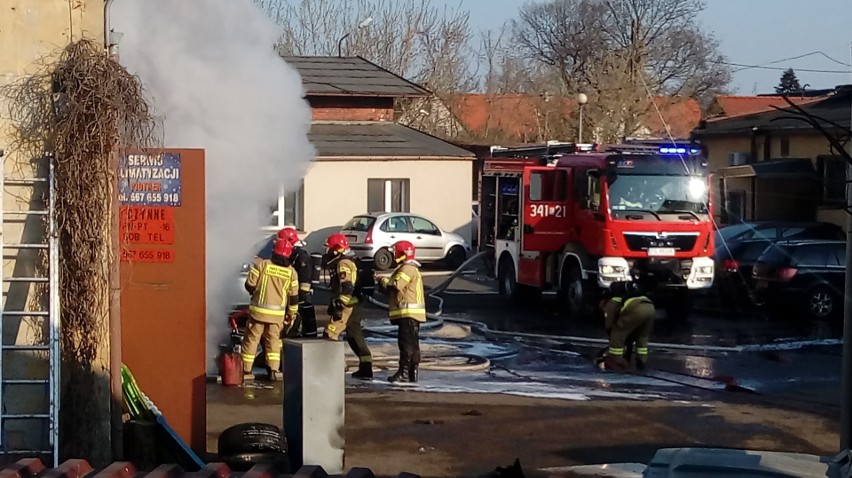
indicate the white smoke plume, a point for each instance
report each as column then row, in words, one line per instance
column 211, row 71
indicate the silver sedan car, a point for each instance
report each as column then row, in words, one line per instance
column 372, row 235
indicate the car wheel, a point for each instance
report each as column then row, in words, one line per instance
column 251, row 438
column 456, row 257
column 245, row 461
column 383, row 260
column 822, row 303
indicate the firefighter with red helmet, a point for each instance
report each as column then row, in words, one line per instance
column 306, row 322
column 407, row 305
column 274, row 288
column 346, row 309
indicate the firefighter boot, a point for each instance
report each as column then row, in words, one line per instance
column 401, row 375
column 365, row 371
column 412, row 373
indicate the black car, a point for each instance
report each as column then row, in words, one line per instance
column 802, row 276
column 737, row 248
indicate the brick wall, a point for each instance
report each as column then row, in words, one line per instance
column 343, row 108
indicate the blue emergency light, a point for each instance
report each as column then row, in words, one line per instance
column 678, row 150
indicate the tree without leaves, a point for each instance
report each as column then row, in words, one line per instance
column 411, row 38
column 789, row 83
column 622, row 53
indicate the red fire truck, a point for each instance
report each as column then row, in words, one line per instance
column 576, row 221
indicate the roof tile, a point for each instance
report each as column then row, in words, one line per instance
column 378, row 139
column 350, row 76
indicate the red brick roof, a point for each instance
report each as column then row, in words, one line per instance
column 515, row 116
column 743, row 105
column 518, row 116
column 682, row 115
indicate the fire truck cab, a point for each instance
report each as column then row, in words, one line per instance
column 580, row 219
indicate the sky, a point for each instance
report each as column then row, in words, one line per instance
column 751, row 32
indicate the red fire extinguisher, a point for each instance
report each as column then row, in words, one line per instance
column 232, row 362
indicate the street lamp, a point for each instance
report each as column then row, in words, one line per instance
column 582, row 99
column 364, row 24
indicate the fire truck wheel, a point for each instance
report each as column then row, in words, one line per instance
column 506, row 278
column 678, row 307
column 383, row 260
column 572, row 295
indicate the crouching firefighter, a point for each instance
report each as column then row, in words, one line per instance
column 628, row 317
column 274, row 288
column 346, row 309
column 306, row 322
column 407, row 306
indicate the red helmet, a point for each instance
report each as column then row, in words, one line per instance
column 282, row 248
column 403, row 251
column 289, row 234
column 337, row 243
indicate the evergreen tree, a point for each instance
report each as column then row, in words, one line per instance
column 789, row 84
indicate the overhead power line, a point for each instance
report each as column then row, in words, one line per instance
column 760, row 67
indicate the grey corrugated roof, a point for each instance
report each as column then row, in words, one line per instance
column 385, row 140
column 348, row 76
column 834, row 108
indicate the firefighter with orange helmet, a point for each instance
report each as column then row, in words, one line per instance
column 274, row 288
column 346, row 309
column 306, row 322
column 407, row 304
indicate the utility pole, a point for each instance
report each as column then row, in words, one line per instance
column 846, row 370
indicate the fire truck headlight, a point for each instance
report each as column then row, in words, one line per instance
column 608, row 269
column 697, row 189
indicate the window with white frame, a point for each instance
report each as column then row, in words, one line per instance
column 388, row 195
column 288, row 209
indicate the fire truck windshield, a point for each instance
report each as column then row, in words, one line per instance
column 659, row 194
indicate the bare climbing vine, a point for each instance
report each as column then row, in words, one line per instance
column 79, row 108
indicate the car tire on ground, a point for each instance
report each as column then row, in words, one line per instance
column 456, row 257
column 245, row 461
column 251, row 438
column 383, row 260
column 822, row 303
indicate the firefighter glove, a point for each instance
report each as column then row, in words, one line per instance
column 337, row 303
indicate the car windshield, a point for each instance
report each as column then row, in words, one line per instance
column 359, row 223
column 658, row 193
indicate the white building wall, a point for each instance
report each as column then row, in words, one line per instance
column 335, row 191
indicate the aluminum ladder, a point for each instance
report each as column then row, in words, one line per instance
column 29, row 362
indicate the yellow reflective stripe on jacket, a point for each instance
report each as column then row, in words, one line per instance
column 642, row 350
column 617, row 299
column 408, row 309
column 403, row 276
column 263, row 310
column 348, row 300
column 305, row 286
column 254, row 272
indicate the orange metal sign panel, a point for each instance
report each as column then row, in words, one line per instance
column 163, row 296
column 136, row 254
column 147, row 225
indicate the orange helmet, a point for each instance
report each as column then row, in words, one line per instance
column 288, row 234
column 337, row 243
column 403, row 251
column 282, row 248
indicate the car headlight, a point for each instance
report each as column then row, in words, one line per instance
column 608, row 269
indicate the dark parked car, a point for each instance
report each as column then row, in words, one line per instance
column 739, row 246
column 802, row 276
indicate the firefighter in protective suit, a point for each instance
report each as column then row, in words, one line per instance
column 407, row 305
column 628, row 316
column 306, row 322
column 346, row 309
column 274, row 288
